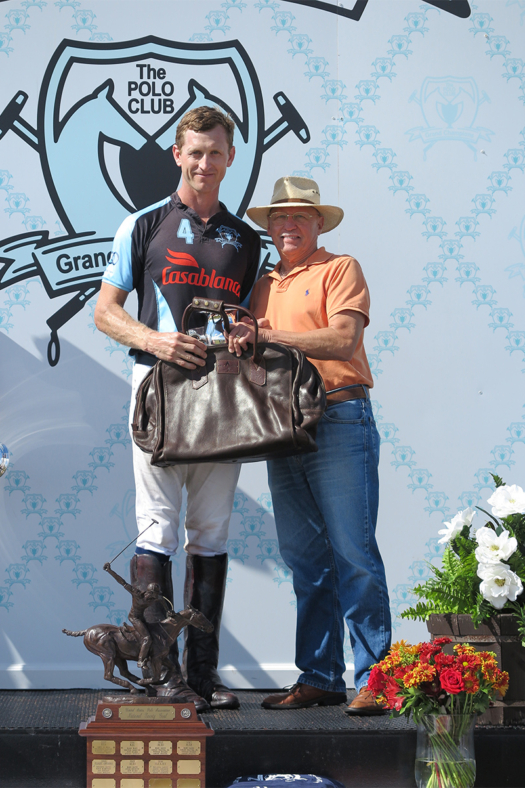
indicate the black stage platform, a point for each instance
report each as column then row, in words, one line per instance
column 40, row 746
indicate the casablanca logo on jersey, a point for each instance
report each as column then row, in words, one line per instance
column 119, row 103
column 172, row 276
column 228, row 236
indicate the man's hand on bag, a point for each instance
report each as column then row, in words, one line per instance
column 178, row 348
column 242, row 334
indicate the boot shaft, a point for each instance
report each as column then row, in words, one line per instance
column 204, row 589
column 145, row 569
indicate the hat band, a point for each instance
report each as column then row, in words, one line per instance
column 293, row 199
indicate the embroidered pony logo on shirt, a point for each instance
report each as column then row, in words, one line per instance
column 228, row 235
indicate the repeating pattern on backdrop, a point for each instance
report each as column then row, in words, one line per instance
column 452, row 108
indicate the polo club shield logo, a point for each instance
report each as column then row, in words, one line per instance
column 107, row 117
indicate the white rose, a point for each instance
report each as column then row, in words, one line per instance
column 454, row 527
column 509, row 499
column 499, row 584
column 492, row 548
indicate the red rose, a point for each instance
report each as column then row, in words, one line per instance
column 441, row 641
column 451, row 681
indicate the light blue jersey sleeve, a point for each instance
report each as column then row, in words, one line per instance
column 119, row 271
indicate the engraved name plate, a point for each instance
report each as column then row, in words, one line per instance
column 161, row 748
column 160, row 782
column 160, row 767
column 100, row 747
column 191, row 782
column 188, row 748
column 132, row 782
column 132, row 748
column 100, row 782
column 146, row 713
column 132, row 767
column 103, row 767
column 188, row 767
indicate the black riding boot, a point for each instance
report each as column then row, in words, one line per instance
column 145, row 569
column 204, row 589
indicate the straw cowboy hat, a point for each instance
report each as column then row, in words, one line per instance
column 295, row 192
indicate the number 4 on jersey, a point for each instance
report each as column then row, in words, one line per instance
column 184, row 231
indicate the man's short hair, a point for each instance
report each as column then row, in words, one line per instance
column 202, row 119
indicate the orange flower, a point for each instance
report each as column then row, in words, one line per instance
column 501, row 681
column 419, row 674
column 471, row 685
column 464, row 648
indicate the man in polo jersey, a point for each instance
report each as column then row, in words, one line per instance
column 184, row 246
column 325, row 504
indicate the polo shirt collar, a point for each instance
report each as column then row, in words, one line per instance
column 319, row 256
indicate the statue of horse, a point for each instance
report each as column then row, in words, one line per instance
column 115, row 645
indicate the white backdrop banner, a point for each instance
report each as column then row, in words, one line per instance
column 410, row 115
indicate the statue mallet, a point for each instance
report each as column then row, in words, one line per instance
column 153, row 522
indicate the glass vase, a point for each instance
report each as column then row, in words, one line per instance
column 445, row 751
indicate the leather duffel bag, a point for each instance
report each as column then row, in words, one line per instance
column 261, row 405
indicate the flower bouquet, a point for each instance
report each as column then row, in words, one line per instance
column 444, row 693
column 483, row 572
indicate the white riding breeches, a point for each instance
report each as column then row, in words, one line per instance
column 210, row 487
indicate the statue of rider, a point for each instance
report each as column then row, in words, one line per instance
column 141, row 601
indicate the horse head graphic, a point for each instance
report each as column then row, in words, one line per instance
column 105, row 129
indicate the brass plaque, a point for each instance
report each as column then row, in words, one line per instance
column 160, row 748
column 188, row 783
column 132, row 767
column 146, row 713
column 160, row 767
column 188, row 748
column 189, row 767
column 100, row 747
column 98, row 782
column 132, row 782
column 103, row 767
column 160, row 782
column 132, row 748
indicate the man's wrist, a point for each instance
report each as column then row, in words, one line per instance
column 147, row 336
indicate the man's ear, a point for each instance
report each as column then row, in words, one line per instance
column 231, row 156
column 321, row 223
column 176, row 155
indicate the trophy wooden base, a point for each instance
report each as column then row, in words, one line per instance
column 145, row 743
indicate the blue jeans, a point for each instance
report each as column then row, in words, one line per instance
column 325, row 508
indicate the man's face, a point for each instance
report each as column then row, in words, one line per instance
column 295, row 238
column 204, row 158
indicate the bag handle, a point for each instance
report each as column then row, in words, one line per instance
column 219, row 307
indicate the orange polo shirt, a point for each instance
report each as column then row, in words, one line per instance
column 308, row 297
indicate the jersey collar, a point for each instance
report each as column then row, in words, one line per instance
column 183, row 207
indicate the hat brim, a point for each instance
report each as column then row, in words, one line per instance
column 331, row 213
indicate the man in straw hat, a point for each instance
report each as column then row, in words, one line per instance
column 325, row 503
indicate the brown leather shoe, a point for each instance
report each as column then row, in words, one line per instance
column 364, row 705
column 300, row 696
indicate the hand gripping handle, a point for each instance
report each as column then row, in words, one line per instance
column 219, row 307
